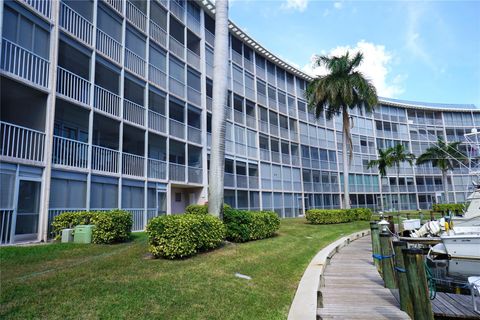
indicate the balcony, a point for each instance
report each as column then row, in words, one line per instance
column 194, row 135
column 264, row 154
column 106, row 101
column 132, row 164
column 193, row 59
column 177, row 10
column 193, row 24
column 284, row 133
column 157, row 76
column 75, row 24
column 238, row 117
column 252, row 152
column 69, row 153
column 261, row 99
column 251, row 121
column 209, row 104
column 157, row 34
column 177, row 48
column 117, row 5
column 157, row 121
column 177, row 87
column 250, row 93
column 238, row 87
column 253, row 182
column 21, row 143
column 138, row 218
column 25, row 64
column 134, row 63
column 273, row 129
column 157, row 169
column 285, row 158
column 42, row 7
column 177, row 172
column 104, row 159
column 177, row 129
column 136, row 16
column 229, row 179
column 209, row 38
column 133, row 112
column 248, row 64
column 194, row 96
column 73, row 86
column 195, row 175
column 109, row 47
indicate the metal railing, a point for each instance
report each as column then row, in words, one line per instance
column 194, row 96
column 176, row 172
column 177, row 128
column 177, row 10
column 261, row 98
column 136, row 16
column 104, row 159
column 238, row 117
column 177, row 48
column 237, row 58
column 250, row 93
column 248, row 64
column 73, row 86
column 106, row 101
column 41, row 6
column 24, row 63
column 251, row 121
column 193, row 59
column 253, row 182
column 193, row 24
column 138, row 218
column 21, row 142
column 109, row 46
column 157, row 76
column 264, row 154
column 116, row 4
column 53, row 212
column 157, row 169
column 132, row 164
column 209, row 104
column 242, row 181
column 228, row 179
column 75, row 24
column 195, row 175
column 133, row 112
column 69, row 152
column 158, row 34
column 157, row 121
column 177, row 87
column 209, row 37
column 134, row 63
column 194, row 135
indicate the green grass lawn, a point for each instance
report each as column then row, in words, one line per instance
column 59, row 281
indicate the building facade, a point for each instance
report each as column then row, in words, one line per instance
column 107, row 104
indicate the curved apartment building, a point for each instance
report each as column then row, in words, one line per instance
column 107, row 104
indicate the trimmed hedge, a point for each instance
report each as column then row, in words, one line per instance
column 110, row 226
column 245, row 226
column 202, row 209
column 180, row 236
column 327, row 216
column 455, row 208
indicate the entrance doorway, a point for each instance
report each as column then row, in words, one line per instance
column 26, row 216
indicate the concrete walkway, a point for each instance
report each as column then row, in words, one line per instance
column 351, row 287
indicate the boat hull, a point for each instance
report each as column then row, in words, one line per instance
column 466, row 246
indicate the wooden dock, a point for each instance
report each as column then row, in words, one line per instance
column 453, row 306
column 351, row 287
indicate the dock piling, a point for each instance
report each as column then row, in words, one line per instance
column 406, row 303
column 374, row 233
column 386, row 259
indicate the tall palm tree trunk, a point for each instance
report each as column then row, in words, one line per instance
column 445, row 185
column 346, row 167
column 220, row 76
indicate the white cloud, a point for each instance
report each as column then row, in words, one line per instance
column 299, row 5
column 338, row 5
column 375, row 66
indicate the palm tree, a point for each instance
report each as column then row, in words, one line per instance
column 443, row 155
column 219, row 96
column 398, row 155
column 382, row 163
column 341, row 90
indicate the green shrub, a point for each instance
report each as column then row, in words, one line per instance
column 455, row 208
column 362, row 214
column 179, row 236
column 245, row 226
column 326, row 216
column 202, row 209
column 110, row 226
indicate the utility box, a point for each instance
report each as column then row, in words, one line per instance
column 67, row 235
column 83, row 233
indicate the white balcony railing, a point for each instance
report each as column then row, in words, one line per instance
column 194, row 135
column 177, row 128
column 136, row 16
column 132, row 164
column 177, row 87
column 157, row 169
column 134, row 62
column 157, row 34
column 157, row 121
column 177, row 48
column 75, row 24
column 21, row 143
column 69, row 152
column 138, row 218
column 116, row 4
column 176, row 172
column 177, row 10
column 106, row 101
column 193, row 24
column 73, row 86
column 42, row 6
column 193, row 59
column 24, row 63
column 194, row 96
column 157, row 76
column 133, row 112
column 195, row 175
column 109, row 46
column 104, row 159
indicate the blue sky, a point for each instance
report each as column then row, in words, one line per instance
column 423, row 51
